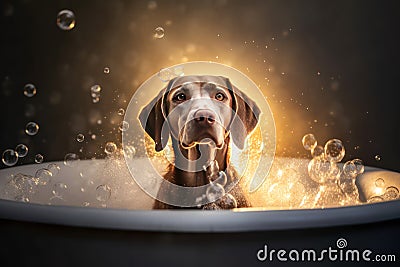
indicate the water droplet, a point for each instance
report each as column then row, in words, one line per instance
column 10, row 157
column 165, row 75
column 359, row 165
column 377, row 157
column 129, row 151
column 22, row 150
column 227, row 202
column 66, row 20
column 121, row 112
column 391, row 193
column 93, row 136
column 29, row 90
column 95, row 100
column 80, row 138
column 159, row 32
column 95, row 90
column 309, row 141
column 151, row 5
column 71, row 159
column 54, row 169
column 380, row 183
column 43, row 176
column 106, row 70
column 103, row 193
column 39, row 158
column 31, row 128
column 22, row 198
column 214, row 191
column 110, row 148
column 123, row 126
column 318, row 152
column 334, row 150
column 59, row 189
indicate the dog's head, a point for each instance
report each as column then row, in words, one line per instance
column 199, row 109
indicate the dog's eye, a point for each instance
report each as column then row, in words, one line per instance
column 180, row 97
column 220, row 96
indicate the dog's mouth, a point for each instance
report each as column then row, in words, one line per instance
column 191, row 135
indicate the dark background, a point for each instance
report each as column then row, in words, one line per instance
column 330, row 68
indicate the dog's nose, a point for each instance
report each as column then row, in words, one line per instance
column 204, row 117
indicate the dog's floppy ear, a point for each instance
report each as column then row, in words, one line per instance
column 246, row 115
column 152, row 119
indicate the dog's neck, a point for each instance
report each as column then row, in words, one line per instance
column 189, row 162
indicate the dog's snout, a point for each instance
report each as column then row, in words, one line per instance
column 204, row 117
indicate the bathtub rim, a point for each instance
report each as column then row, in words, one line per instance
column 198, row 221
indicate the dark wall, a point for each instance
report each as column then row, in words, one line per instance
column 330, row 68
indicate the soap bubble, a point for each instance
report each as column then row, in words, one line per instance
column 214, row 191
column 165, row 75
column 29, row 90
column 151, row 5
column 375, row 199
column 322, row 171
column 391, row 193
column 179, row 71
column 103, row 193
column 31, row 128
column 110, row 148
column 377, row 157
column 43, row 176
column 25, row 184
column 10, row 157
column 66, row 20
column 22, row 150
column 80, row 138
column 309, row 141
column 59, row 189
column 350, row 169
column 380, row 183
column 71, row 159
column 54, row 169
column 121, row 112
column 95, row 90
column 39, row 158
column 123, row 126
column 95, row 100
column 359, row 165
column 221, row 178
column 334, row 150
column 227, row 202
column 317, row 151
column 348, row 186
column 106, row 70
column 159, row 32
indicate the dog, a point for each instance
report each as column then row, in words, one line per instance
column 201, row 114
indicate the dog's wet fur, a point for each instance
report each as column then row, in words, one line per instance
column 200, row 114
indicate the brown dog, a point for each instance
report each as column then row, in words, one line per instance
column 201, row 114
